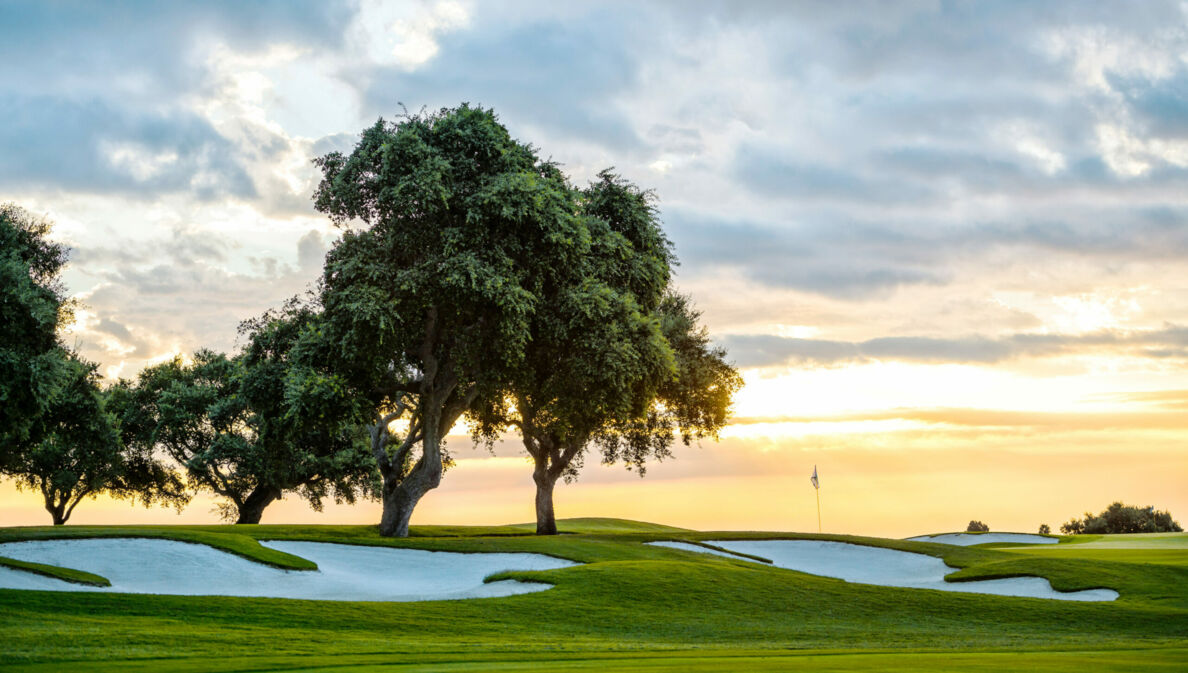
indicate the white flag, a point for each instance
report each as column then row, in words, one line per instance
column 816, row 484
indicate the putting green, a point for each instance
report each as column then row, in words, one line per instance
column 1165, row 549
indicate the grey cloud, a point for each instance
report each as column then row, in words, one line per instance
column 183, row 247
column 759, row 350
column 78, row 78
column 833, row 254
column 70, row 145
column 772, row 172
column 554, row 75
column 311, row 251
column 1161, row 105
column 45, row 45
column 140, row 347
column 170, row 305
column 338, row 142
column 838, row 259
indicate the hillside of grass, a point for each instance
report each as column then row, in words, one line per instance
column 630, row 606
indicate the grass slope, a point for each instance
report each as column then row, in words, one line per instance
column 630, row 607
column 57, row 572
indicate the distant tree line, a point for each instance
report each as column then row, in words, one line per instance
column 472, row 281
column 1120, row 518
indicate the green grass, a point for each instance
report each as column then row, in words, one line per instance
column 630, row 607
column 57, row 572
column 1150, row 549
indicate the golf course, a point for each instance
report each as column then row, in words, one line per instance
column 621, row 605
column 393, row 336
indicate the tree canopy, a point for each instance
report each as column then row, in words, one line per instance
column 428, row 306
column 615, row 359
column 1121, row 518
column 228, row 422
column 80, row 454
column 57, row 435
column 33, row 306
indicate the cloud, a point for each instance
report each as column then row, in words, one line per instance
column 92, row 146
column 888, row 166
column 177, row 297
column 772, row 171
column 994, row 418
column 1167, row 399
column 107, row 99
column 560, row 76
column 762, row 350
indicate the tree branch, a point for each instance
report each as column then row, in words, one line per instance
column 77, row 499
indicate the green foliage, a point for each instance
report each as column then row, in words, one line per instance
column 977, row 527
column 307, row 435
column 79, row 452
column 32, row 307
column 193, row 414
column 464, row 224
column 57, row 436
column 614, row 358
column 230, row 423
column 429, row 307
column 1120, row 518
column 694, row 403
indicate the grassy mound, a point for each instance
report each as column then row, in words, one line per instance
column 631, row 606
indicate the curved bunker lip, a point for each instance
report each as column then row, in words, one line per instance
column 345, row 572
column 884, row 567
column 967, row 539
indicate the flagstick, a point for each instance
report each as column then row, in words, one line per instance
column 818, row 490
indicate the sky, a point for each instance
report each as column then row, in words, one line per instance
column 946, row 243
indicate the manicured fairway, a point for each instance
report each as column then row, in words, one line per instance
column 629, row 606
column 1170, row 659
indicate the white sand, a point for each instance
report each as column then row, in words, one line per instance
column 345, row 572
column 886, row 567
column 966, row 539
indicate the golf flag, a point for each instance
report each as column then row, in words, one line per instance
column 816, row 484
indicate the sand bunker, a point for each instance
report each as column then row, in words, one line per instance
column 885, row 567
column 966, row 539
column 345, row 572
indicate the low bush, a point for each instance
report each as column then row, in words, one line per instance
column 1120, row 518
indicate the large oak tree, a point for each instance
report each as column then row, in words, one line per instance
column 616, row 360
column 428, row 304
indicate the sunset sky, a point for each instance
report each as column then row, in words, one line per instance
column 946, row 243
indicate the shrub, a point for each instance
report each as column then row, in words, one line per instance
column 1044, row 530
column 1120, row 518
column 977, row 527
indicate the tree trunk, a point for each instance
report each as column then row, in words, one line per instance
column 57, row 512
column 253, row 507
column 402, row 495
column 546, row 521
